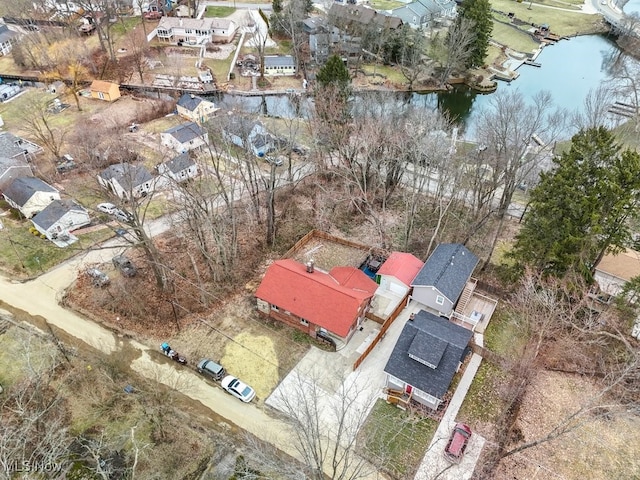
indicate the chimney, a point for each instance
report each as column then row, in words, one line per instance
column 310, row 266
column 193, row 96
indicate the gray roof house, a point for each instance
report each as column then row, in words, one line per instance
column 58, row 219
column 195, row 108
column 426, row 356
column 30, row 195
column 248, row 134
column 12, row 168
column 440, row 282
column 126, row 180
column 425, row 13
column 185, row 137
column 7, row 37
column 279, row 65
column 16, row 147
column 178, row 169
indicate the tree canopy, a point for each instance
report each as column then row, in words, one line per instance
column 334, row 72
column 582, row 208
column 478, row 12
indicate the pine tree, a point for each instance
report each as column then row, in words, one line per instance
column 334, row 72
column 276, row 6
column 582, row 208
column 479, row 12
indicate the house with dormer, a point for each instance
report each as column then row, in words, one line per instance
column 195, row 108
column 322, row 304
column 427, row 355
column 440, row 282
column 426, row 13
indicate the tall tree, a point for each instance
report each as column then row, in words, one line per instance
column 582, row 208
column 479, row 12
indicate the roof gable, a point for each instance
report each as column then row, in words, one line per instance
column 431, row 339
column 189, row 101
column 624, row 265
column 402, row 266
column 10, row 145
column 448, row 268
column 180, row 163
column 102, row 86
column 127, row 175
column 185, row 132
column 23, row 188
column 317, row 297
column 55, row 211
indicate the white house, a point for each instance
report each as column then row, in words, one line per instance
column 279, row 65
column 126, row 180
column 195, row 108
column 195, row 31
column 30, row 195
column 185, row 137
column 614, row 271
column 7, row 37
column 178, row 169
column 59, row 218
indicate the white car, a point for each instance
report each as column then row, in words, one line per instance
column 238, row 389
column 109, row 208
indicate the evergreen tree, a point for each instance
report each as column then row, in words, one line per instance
column 334, row 72
column 276, row 6
column 582, row 208
column 479, row 12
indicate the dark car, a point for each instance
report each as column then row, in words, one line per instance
column 211, row 369
column 126, row 267
column 457, row 442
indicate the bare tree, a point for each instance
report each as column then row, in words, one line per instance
column 456, row 48
column 40, row 123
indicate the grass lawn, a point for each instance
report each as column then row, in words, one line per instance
column 218, row 12
column 385, row 4
column 562, row 23
column 392, row 74
column 505, row 335
column 515, row 38
column 483, row 403
column 26, row 255
column 220, row 68
column 125, row 25
column 397, row 437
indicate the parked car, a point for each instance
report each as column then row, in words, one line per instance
column 238, row 389
column 152, row 15
column 211, row 369
column 122, row 215
column 126, row 267
column 99, row 278
column 109, row 208
column 457, row 442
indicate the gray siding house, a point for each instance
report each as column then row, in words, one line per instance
column 426, row 356
column 425, row 13
column 126, row 180
column 178, row 169
column 248, row 134
column 185, row 137
column 440, row 282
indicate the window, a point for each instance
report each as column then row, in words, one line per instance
column 304, row 322
column 440, row 300
column 274, row 308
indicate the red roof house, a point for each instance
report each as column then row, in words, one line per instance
column 315, row 301
column 397, row 272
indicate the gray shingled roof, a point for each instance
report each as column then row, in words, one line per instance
column 448, row 268
column 179, row 163
column 127, row 175
column 240, row 126
column 279, row 61
column 9, row 145
column 428, row 333
column 54, row 212
column 6, row 34
column 190, row 101
column 185, row 132
column 23, row 188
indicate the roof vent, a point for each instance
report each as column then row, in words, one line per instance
column 310, row 266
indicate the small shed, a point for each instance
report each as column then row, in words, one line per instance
column 107, row 91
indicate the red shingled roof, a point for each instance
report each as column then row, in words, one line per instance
column 330, row 300
column 401, row 265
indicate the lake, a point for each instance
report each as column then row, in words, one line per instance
column 570, row 69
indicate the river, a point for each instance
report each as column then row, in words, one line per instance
column 563, row 72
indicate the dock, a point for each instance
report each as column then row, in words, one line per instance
column 532, row 63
